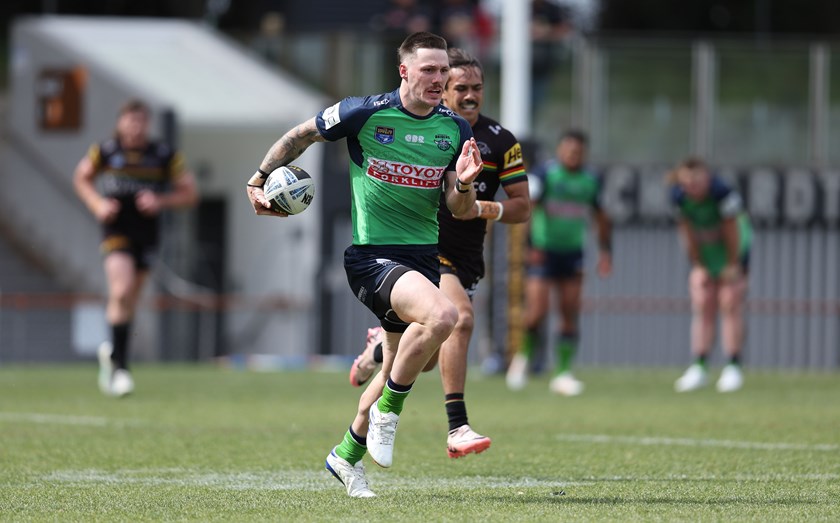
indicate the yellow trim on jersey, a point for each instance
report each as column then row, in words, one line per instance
column 512, row 173
column 513, row 156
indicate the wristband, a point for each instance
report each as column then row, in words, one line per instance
column 458, row 185
column 257, row 179
column 263, row 174
column 496, row 218
column 501, row 211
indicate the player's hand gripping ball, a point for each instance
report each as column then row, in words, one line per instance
column 290, row 189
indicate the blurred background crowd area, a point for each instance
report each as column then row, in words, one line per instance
column 594, row 63
column 751, row 85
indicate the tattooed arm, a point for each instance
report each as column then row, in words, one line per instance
column 283, row 152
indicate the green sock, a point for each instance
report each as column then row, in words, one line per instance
column 350, row 449
column 565, row 350
column 393, row 396
column 529, row 343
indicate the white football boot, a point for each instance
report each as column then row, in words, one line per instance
column 731, row 379
column 382, row 429
column 353, row 477
column 517, row 373
column 121, row 383
column 566, row 384
column 695, row 377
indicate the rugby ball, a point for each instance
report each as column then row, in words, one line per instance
column 290, row 189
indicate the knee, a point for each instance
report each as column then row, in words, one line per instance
column 729, row 305
column 121, row 297
column 702, row 301
column 444, row 321
column 570, row 317
column 466, row 321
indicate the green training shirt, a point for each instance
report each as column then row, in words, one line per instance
column 560, row 217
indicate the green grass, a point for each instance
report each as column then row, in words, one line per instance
column 210, row 444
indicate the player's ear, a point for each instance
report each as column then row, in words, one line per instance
column 403, row 72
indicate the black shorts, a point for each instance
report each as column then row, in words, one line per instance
column 558, row 265
column 372, row 271
column 141, row 247
column 132, row 233
column 469, row 278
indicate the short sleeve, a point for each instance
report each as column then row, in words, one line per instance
column 94, row 154
column 343, row 119
column 511, row 166
column 729, row 202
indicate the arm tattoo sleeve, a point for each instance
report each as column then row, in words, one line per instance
column 291, row 145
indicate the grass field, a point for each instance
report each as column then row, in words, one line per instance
column 210, row 444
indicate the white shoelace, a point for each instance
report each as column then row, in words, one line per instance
column 385, row 429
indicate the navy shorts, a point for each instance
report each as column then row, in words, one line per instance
column 468, row 278
column 558, row 265
column 372, row 271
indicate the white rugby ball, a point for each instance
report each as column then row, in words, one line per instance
column 290, row 189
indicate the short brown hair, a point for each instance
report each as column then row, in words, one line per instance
column 135, row 105
column 577, row 135
column 420, row 40
column 690, row 163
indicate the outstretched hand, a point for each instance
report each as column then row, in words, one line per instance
column 262, row 206
column 469, row 163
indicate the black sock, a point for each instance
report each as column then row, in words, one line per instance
column 456, row 410
column 701, row 360
column 361, row 440
column 377, row 353
column 119, row 340
column 735, row 359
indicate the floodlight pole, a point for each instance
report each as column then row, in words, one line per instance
column 516, row 68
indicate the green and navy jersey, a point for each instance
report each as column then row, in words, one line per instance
column 560, row 216
column 501, row 155
column 706, row 216
column 397, row 165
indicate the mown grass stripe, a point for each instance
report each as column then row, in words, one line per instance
column 691, row 442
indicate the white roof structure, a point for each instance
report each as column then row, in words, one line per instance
column 206, row 76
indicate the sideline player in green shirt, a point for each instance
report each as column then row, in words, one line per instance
column 565, row 197
column 405, row 148
column 717, row 236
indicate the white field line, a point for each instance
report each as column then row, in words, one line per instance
column 691, row 442
column 63, row 419
column 306, row 480
column 314, row 480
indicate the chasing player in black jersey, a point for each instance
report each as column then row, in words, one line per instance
column 461, row 246
column 141, row 178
